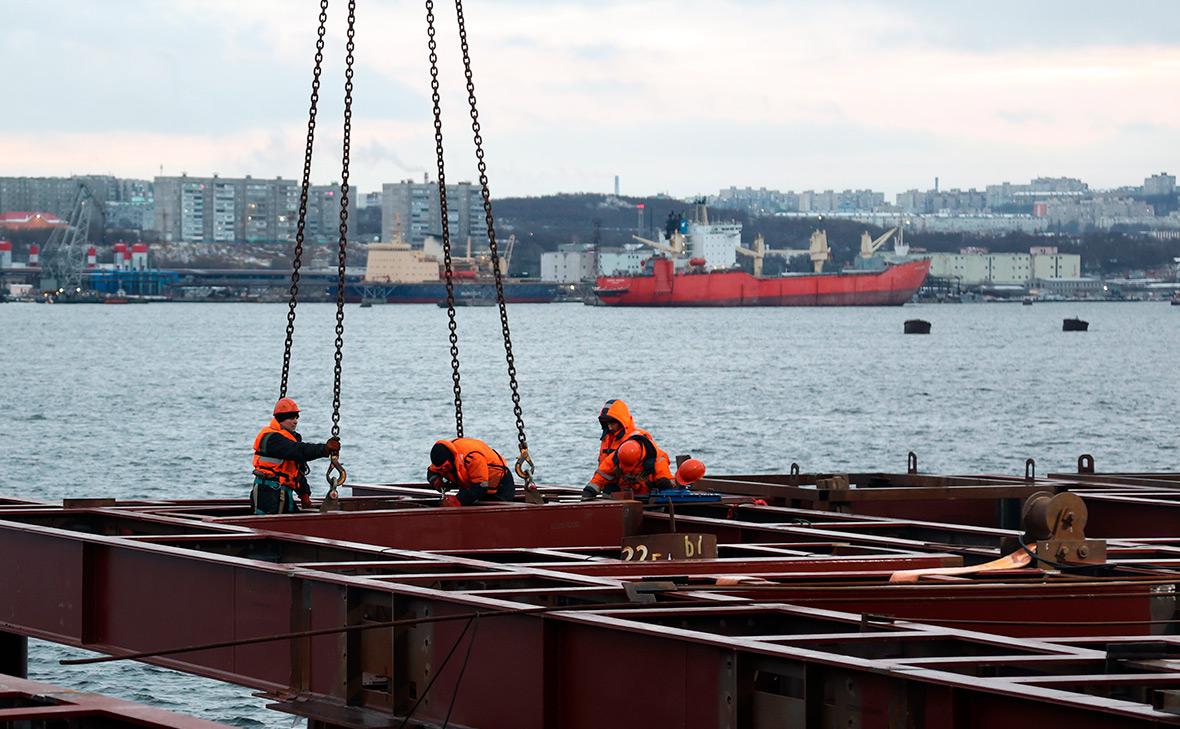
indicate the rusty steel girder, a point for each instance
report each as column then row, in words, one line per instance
column 32, row 704
column 531, row 616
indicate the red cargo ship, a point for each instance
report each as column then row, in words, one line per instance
column 710, row 279
column 892, row 286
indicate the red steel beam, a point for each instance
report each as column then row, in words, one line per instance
column 26, row 703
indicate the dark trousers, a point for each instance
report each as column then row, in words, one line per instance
column 269, row 497
column 475, row 494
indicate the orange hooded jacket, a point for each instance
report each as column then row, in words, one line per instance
column 473, row 463
column 654, row 466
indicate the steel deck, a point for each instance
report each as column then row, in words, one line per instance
column 528, row 616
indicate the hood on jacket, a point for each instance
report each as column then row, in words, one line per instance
column 618, row 411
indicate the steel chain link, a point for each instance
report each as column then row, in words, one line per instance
column 448, row 270
column 521, row 469
column 297, row 259
column 344, row 192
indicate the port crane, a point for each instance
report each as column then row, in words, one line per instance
column 63, row 258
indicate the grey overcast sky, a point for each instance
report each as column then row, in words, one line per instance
column 680, row 97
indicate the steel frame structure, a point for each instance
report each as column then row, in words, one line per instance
column 526, row 616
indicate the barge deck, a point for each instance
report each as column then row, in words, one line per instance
column 832, row 600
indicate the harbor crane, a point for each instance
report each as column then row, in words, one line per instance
column 63, row 258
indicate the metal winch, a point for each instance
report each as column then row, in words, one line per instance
column 1056, row 523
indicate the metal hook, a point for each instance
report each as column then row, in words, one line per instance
column 911, row 462
column 334, row 484
column 1030, row 470
column 525, row 468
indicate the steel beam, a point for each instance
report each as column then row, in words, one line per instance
column 14, row 655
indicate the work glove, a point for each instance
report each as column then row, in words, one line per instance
column 305, row 500
column 662, row 484
column 332, row 447
column 589, row 493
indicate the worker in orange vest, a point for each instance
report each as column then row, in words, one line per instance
column 617, row 423
column 472, row 467
column 280, row 462
column 638, row 465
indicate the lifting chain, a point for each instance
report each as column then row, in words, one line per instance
column 297, row 259
column 524, row 464
column 335, row 483
column 448, row 270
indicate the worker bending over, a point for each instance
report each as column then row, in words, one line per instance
column 280, row 462
column 472, row 467
column 628, row 457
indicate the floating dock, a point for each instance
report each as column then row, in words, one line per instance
column 864, row 600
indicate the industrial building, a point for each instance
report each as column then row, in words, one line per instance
column 570, row 263
column 978, row 267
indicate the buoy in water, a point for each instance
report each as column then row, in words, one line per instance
column 1074, row 325
column 917, row 326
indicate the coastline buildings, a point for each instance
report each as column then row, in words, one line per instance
column 1045, row 204
column 234, row 210
column 570, row 263
column 978, row 267
column 768, row 202
column 411, row 211
column 57, row 195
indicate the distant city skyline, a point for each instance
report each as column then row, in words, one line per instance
column 684, row 98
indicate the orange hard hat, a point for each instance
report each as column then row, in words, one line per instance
column 630, row 454
column 690, row 471
column 286, row 405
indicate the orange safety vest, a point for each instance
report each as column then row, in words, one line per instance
column 474, row 462
column 285, row 472
column 654, row 466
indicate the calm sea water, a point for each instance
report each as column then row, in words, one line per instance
column 119, row 400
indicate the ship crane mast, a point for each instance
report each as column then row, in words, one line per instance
column 758, row 253
column 674, row 247
column 818, row 249
column 868, row 247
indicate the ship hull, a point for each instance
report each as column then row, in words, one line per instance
column 892, row 286
column 430, row 292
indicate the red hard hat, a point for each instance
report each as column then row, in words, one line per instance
column 690, row 471
column 286, row 405
column 630, row 454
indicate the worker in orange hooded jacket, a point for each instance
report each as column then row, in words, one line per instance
column 641, row 466
column 472, row 467
column 280, row 462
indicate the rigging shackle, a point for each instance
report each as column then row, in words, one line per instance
column 525, row 468
column 334, row 483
